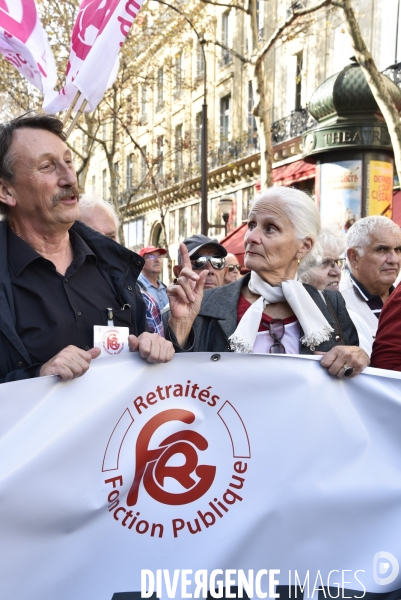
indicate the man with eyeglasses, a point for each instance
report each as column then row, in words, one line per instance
column 233, row 269
column 374, row 259
column 206, row 255
column 148, row 280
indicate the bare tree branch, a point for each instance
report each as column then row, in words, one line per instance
column 233, row 52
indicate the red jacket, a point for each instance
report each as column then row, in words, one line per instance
column 387, row 346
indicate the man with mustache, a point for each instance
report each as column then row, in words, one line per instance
column 58, row 277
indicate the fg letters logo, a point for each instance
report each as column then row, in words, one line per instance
column 112, row 342
column 151, row 464
column 92, row 18
column 385, row 568
column 176, row 462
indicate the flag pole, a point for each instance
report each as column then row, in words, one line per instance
column 69, row 111
column 75, row 119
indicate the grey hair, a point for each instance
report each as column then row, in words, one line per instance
column 331, row 242
column 93, row 203
column 360, row 233
column 303, row 214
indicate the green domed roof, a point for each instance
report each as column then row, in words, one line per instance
column 348, row 93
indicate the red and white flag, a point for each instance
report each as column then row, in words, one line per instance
column 24, row 43
column 99, row 32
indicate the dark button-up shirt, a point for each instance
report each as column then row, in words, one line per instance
column 53, row 310
column 374, row 301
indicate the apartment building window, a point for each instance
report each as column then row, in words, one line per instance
column 133, row 234
column 225, row 118
column 200, row 61
column 182, row 224
column 104, row 184
column 143, row 103
column 116, row 178
column 298, row 80
column 159, row 89
column 260, row 17
column 252, row 129
column 178, row 75
column 144, row 166
column 172, row 227
column 195, row 225
column 226, row 57
column 160, row 158
column 93, row 185
column 198, row 137
column 129, row 172
column 178, row 152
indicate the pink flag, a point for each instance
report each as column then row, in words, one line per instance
column 23, row 42
column 99, row 32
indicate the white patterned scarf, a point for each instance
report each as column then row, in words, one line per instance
column 313, row 323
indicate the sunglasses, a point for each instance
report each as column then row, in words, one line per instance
column 329, row 262
column 200, row 262
column 232, row 267
column 277, row 330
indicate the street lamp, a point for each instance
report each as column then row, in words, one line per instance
column 225, row 204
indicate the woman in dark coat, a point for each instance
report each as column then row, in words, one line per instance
column 268, row 311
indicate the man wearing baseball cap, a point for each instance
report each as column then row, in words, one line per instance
column 148, row 280
column 206, row 255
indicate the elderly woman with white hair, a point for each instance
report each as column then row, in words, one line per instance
column 324, row 272
column 268, row 310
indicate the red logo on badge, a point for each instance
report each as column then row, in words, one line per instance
column 20, row 29
column 151, row 464
column 112, row 342
column 92, row 18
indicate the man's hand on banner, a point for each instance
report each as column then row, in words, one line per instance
column 340, row 358
column 185, row 296
column 152, row 347
column 70, row 363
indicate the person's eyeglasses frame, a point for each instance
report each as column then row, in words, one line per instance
column 339, row 262
column 153, row 256
column 232, row 267
column 276, row 337
column 209, row 259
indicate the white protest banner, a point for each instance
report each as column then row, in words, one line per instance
column 99, row 32
column 258, row 472
column 24, row 43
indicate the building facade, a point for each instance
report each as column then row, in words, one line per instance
column 157, row 166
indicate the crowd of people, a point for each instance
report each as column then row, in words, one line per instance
column 301, row 290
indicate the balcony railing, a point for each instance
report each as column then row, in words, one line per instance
column 394, row 73
column 232, row 150
column 292, row 126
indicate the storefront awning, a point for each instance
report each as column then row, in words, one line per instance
column 397, row 208
column 234, row 242
column 296, row 171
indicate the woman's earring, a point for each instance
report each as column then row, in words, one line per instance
column 298, row 262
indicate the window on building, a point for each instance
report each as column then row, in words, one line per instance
column 226, row 37
column 260, row 17
column 159, row 89
column 225, row 118
column 195, row 225
column 93, row 185
column 252, row 129
column 104, row 184
column 116, row 178
column 133, row 234
column 182, row 224
column 198, row 137
column 143, row 103
column 160, row 157
column 129, row 174
column 178, row 74
column 200, row 61
column 298, row 80
column 178, row 152
column 172, row 236
column 144, row 166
